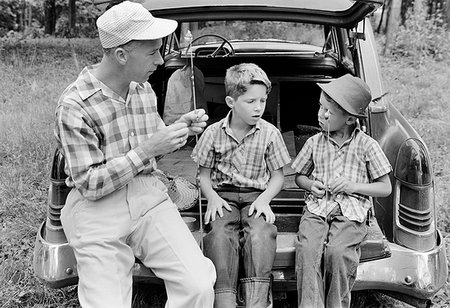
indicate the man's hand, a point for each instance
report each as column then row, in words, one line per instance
column 215, row 205
column 262, row 208
column 166, row 140
column 195, row 121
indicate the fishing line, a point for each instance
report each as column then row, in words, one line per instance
column 194, row 99
column 327, row 187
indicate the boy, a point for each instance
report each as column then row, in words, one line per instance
column 240, row 169
column 341, row 167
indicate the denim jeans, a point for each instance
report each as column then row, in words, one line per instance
column 337, row 239
column 237, row 235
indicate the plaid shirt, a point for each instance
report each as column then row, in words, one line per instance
column 244, row 164
column 360, row 159
column 99, row 133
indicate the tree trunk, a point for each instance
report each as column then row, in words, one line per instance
column 392, row 24
column 447, row 13
column 72, row 17
column 50, row 16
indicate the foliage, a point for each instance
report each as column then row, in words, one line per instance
column 87, row 14
column 422, row 35
column 30, row 88
column 10, row 10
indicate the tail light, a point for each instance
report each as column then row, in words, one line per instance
column 415, row 222
column 57, row 198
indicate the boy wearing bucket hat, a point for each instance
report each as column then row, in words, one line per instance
column 241, row 161
column 109, row 130
column 340, row 168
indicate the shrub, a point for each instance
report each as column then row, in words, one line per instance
column 422, row 35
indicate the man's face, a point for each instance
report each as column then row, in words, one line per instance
column 143, row 59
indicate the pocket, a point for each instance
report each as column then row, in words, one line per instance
column 143, row 194
column 74, row 203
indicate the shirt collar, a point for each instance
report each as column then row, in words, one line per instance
column 355, row 131
column 88, row 85
column 226, row 124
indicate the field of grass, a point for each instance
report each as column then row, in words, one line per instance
column 33, row 75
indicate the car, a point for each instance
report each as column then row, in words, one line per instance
column 298, row 43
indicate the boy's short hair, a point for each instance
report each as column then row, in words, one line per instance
column 240, row 76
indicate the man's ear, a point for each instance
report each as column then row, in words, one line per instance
column 230, row 101
column 121, row 55
column 350, row 120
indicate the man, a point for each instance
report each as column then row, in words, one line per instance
column 109, row 130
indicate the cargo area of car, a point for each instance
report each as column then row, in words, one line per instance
column 292, row 106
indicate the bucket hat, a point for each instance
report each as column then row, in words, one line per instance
column 129, row 21
column 351, row 93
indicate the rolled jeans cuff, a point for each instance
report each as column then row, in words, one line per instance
column 225, row 290
column 255, row 279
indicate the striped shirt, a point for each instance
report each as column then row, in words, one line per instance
column 242, row 164
column 99, row 133
column 360, row 159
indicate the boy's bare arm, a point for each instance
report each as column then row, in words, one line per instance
column 262, row 204
column 215, row 202
column 315, row 187
column 381, row 187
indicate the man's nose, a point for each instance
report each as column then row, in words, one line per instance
column 159, row 59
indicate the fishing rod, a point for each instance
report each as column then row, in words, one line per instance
column 189, row 38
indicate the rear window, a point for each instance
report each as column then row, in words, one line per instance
column 244, row 30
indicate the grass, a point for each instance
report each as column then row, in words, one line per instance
column 32, row 76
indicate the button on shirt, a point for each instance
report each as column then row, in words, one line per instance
column 99, row 133
column 243, row 164
column 360, row 159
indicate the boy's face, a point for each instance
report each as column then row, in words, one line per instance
column 331, row 117
column 249, row 107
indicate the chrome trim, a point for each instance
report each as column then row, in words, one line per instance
column 406, row 271
column 55, row 264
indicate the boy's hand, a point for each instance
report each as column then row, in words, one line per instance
column 262, row 208
column 195, row 121
column 214, row 207
column 318, row 189
column 341, row 185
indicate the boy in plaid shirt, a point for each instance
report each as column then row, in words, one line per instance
column 241, row 161
column 341, row 167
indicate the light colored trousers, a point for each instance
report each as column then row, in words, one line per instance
column 138, row 220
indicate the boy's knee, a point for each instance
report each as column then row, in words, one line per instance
column 263, row 231
column 335, row 254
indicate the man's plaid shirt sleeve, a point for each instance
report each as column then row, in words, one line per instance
column 90, row 173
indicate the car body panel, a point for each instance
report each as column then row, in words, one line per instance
column 411, row 266
column 343, row 13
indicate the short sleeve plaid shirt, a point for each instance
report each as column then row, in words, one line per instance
column 244, row 164
column 99, row 133
column 360, row 159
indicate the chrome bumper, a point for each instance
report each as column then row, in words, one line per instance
column 54, row 263
column 417, row 274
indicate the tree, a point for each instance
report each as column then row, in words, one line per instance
column 50, row 16
column 392, row 24
column 72, row 17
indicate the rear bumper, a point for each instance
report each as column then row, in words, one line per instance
column 416, row 274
